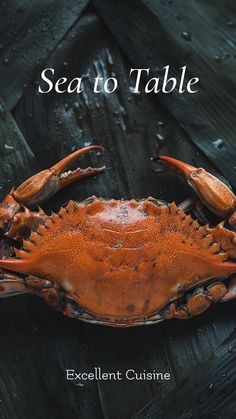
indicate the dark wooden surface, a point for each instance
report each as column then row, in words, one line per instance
column 210, row 386
column 38, row 344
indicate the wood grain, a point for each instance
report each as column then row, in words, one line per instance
column 155, row 41
column 211, row 386
column 29, row 32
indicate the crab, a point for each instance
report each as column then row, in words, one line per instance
column 117, row 262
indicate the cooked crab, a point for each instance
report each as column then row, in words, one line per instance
column 119, row 263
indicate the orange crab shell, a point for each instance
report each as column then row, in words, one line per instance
column 122, row 259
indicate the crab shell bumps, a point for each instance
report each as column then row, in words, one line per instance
column 124, row 263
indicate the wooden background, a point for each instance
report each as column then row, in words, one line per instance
column 108, row 37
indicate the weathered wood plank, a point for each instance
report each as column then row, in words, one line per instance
column 29, row 33
column 208, row 392
column 189, row 343
column 37, row 346
column 16, row 158
column 140, row 349
column 149, row 33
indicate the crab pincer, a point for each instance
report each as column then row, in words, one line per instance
column 43, row 185
column 116, row 262
column 15, row 210
column 211, row 191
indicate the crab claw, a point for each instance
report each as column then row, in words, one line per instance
column 212, row 192
column 43, row 185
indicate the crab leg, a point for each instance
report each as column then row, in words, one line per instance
column 15, row 214
column 11, row 285
column 231, row 290
column 212, row 192
column 198, row 302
